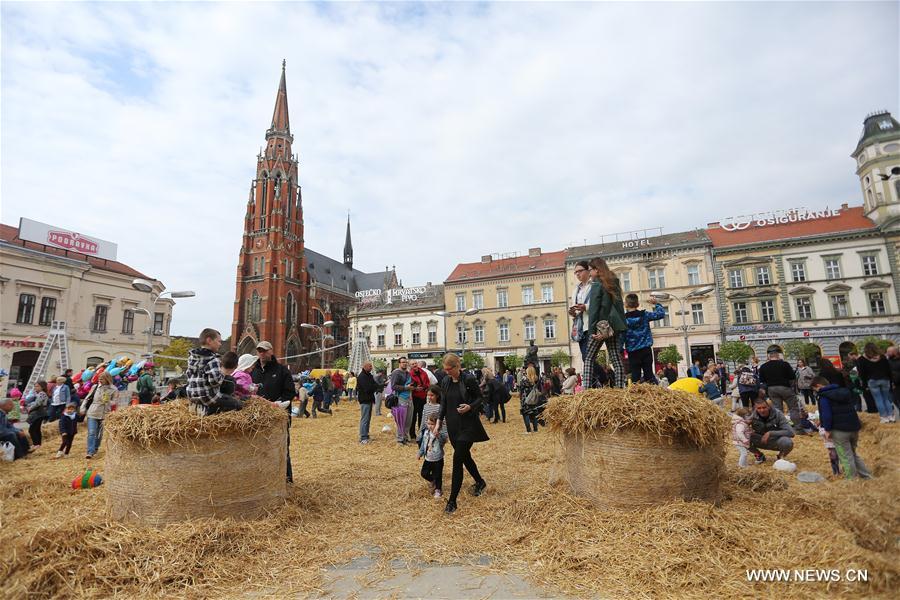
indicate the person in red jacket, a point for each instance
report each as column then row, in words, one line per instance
column 338, row 380
column 421, row 383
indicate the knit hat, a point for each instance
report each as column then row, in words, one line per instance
column 246, row 361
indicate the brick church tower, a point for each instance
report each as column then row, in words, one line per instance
column 271, row 297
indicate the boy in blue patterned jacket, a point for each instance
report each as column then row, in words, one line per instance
column 639, row 339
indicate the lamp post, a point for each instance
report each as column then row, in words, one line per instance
column 464, row 314
column 142, row 285
column 700, row 292
column 321, row 330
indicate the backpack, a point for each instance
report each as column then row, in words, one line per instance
column 748, row 379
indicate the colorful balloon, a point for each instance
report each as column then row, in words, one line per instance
column 111, row 364
column 77, row 376
column 87, row 374
column 115, row 371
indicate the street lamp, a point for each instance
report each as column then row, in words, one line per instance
column 696, row 293
column 321, row 330
column 143, row 285
column 464, row 314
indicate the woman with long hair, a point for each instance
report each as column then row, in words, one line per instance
column 605, row 305
column 530, row 380
column 875, row 373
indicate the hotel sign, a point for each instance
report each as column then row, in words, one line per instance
column 57, row 237
column 777, row 217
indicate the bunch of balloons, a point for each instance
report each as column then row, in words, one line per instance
column 123, row 370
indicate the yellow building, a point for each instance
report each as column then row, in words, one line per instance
column 498, row 306
column 676, row 264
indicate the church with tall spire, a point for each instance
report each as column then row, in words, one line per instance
column 281, row 283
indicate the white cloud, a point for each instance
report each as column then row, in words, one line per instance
column 449, row 130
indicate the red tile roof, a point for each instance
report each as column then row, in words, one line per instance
column 10, row 235
column 849, row 219
column 548, row 261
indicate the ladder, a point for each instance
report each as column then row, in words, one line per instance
column 359, row 353
column 57, row 336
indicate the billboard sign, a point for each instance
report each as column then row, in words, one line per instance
column 57, row 237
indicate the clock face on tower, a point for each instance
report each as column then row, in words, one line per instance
column 259, row 243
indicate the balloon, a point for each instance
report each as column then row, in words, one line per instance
column 141, row 364
column 114, row 372
column 111, row 364
column 129, row 362
column 132, row 378
column 77, row 377
column 87, row 374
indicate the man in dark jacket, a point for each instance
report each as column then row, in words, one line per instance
column 276, row 385
column 893, row 356
column 778, row 376
column 771, row 431
column 366, row 388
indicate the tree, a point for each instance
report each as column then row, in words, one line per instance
column 177, row 347
column 341, row 362
column 470, row 360
column 560, row 358
column 882, row 344
column 379, row 364
column 669, row 355
column 735, row 352
column 801, row 349
column 513, row 362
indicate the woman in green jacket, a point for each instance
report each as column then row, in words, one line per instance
column 605, row 305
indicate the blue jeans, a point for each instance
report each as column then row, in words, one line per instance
column 365, row 418
column 881, row 391
column 95, row 435
column 326, row 403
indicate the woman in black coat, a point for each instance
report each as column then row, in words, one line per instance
column 460, row 406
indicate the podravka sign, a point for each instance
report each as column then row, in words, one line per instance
column 50, row 235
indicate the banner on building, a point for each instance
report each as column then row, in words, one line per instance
column 57, row 237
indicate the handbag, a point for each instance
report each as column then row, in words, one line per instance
column 391, row 400
column 604, row 329
column 534, row 397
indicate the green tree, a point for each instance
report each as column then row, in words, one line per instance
column 560, row 358
column 513, row 362
column 470, row 360
column 342, row 362
column 379, row 364
column 735, row 352
column 177, row 347
column 801, row 349
column 882, row 344
column 669, row 354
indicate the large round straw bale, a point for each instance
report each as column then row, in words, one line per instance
column 164, row 464
column 639, row 447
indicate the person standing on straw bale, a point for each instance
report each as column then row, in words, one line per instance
column 205, row 377
column 740, row 434
column 838, row 418
column 460, row 405
column 578, row 310
column 605, row 305
column 402, row 386
column 95, row 410
column 68, row 427
column 639, row 338
column 276, row 384
column 771, row 430
column 366, row 387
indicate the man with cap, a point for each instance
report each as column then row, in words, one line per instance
column 276, row 385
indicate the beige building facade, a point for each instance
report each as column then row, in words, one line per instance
column 677, row 264
column 518, row 299
column 40, row 284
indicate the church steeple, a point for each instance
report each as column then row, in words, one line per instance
column 348, row 247
column 281, row 123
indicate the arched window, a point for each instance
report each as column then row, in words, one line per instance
column 290, row 310
column 262, row 200
column 255, row 306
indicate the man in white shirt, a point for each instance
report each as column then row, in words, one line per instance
column 578, row 310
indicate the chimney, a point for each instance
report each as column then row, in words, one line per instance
column 486, row 259
column 534, row 252
column 713, row 225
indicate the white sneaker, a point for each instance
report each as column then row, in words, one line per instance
column 884, row 420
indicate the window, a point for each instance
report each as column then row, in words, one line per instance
column 763, row 277
column 380, row 337
column 99, row 322
column 398, row 337
column 870, row 265
column 128, row 321
column 478, row 300
column 550, row 329
column 432, row 333
column 290, row 310
column 657, row 278
column 664, row 322
column 158, row 323
column 740, row 312
column 416, row 334
column 625, row 280
column 527, row 294
column 461, row 334
column 767, row 310
column 693, row 272
column 479, row 333
column 839, row 306
column 503, row 332
column 546, row 293
column 736, row 278
column 26, row 309
column 798, row 271
column 529, row 329
column 254, row 307
column 502, row 299
column 832, row 268
column 804, row 308
column 48, row 311
column 876, row 303
column 461, row 302
column 697, row 313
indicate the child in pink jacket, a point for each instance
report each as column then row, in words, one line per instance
column 244, row 386
column 740, row 433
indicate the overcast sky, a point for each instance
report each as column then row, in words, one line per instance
column 448, row 131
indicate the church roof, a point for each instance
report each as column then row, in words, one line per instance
column 879, row 126
column 335, row 274
column 280, row 121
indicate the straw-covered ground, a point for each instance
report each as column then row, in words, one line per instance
column 56, row 542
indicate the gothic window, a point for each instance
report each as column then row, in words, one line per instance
column 262, row 201
column 278, row 186
column 255, row 307
column 290, row 310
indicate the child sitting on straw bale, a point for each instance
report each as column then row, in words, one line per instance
column 431, row 447
column 244, row 386
column 740, row 434
column 829, row 445
column 68, row 427
column 205, row 377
